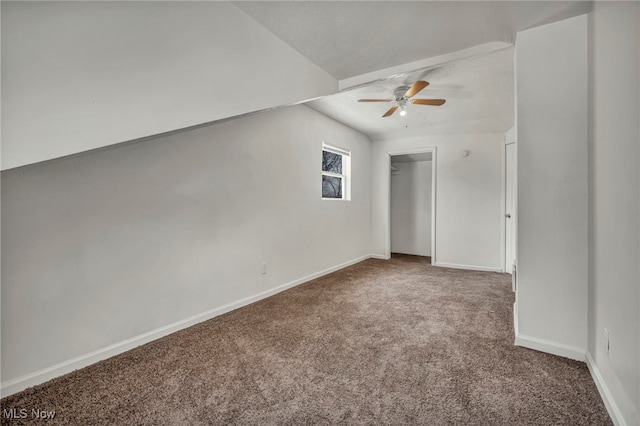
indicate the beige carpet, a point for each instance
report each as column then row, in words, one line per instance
column 381, row 342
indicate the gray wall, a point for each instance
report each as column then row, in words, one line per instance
column 468, row 194
column 551, row 76
column 106, row 246
column 614, row 203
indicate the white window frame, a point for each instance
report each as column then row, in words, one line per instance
column 346, row 171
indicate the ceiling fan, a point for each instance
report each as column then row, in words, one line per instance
column 403, row 94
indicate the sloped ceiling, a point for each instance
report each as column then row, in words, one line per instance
column 349, row 38
column 353, row 40
column 479, row 94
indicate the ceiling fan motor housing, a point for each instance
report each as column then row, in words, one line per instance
column 400, row 91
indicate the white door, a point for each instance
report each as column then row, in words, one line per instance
column 510, row 201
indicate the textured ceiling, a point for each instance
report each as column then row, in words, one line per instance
column 479, row 93
column 349, row 38
column 377, row 44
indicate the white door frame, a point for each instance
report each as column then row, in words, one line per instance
column 503, row 206
column 424, row 150
column 509, row 139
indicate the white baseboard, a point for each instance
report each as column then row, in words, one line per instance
column 605, row 393
column 469, row 267
column 516, row 328
column 550, row 347
column 40, row 376
column 380, row 256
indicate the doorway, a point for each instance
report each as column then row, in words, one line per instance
column 412, row 203
column 510, row 201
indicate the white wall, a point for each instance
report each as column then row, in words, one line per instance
column 614, row 211
column 411, row 208
column 552, row 187
column 468, row 193
column 105, row 246
column 81, row 75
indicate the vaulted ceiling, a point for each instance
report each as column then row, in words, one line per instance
column 375, row 47
column 479, row 94
column 349, row 38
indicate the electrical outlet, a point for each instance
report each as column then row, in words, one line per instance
column 264, row 269
column 606, row 341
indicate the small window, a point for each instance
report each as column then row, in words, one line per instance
column 335, row 173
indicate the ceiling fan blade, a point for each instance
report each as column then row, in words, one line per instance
column 417, row 87
column 434, row 102
column 391, row 111
column 375, row 100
